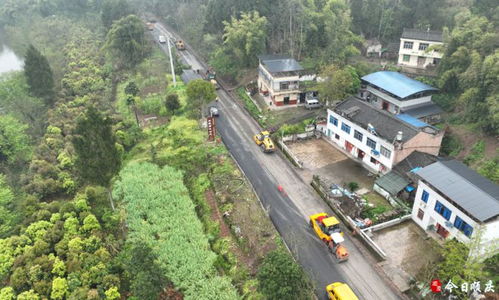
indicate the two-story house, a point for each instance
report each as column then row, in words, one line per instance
column 279, row 79
column 415, row 48
column 456, row 202
column 399, row 94
column 377, row 138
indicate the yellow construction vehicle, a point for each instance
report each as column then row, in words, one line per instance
column 340, row 291
column 328, row 230
column 180, row 45
column 263, row 140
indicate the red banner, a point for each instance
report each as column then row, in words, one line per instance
column 211, row 128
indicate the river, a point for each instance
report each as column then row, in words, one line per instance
column 9, row 61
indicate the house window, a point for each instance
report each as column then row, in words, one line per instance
column 408, row 45
column 345, row 127
column 463, row 226
column 336, row 136
column 284, row 85
column 442, row 210
column 385, row 152
column 374, row 161
column 406, row 58
column 371, row 143
column 424, row 196
column 423, row 46
column 333, row 121
column 357, row 135
column 420, row 214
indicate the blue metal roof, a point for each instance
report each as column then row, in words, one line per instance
column 412, row 121
column 397, row 83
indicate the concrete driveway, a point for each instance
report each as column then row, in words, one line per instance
column 321, row 158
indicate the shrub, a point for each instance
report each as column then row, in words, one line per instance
column 353, row 186
column 280, row 277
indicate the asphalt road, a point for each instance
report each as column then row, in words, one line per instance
column 289, row 211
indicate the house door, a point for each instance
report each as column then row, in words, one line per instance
column 302, row 97
column 385, row 105
column 348, row 146
column 421, row 60
column 442, row 231
column 360, row 154
column 286, row 100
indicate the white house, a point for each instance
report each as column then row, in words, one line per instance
column 456, row 202
column 414, row 48
column 399, row 94
column 377, row 138
column 279, row 79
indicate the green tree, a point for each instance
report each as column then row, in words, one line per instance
column 244, row 38
column 39, row 75
column 126, row 42
column 113, row 10
column 142, row 271
column 28, row 295
column 132, row 89
column 59, row 288
column 14, row 143
column 7, row 215
column 338, row 83
column 280, row 277
column 172, row 103
column 7, row 293
column 112, row 293
column 17, row 101
column 469, row 70
column 94, row 142
column 199, row 93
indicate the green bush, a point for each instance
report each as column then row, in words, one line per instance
column 353, row 186
column 248, row 103
column 280, row 277
column 451, row 146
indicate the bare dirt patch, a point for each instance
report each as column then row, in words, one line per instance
column 246, row 221
column 150, row 89
column 469, row 138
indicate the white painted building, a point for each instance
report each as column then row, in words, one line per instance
column 399, row 94
column 376, row 138
column 415, row 48
column 456, row 202
column 279, row 80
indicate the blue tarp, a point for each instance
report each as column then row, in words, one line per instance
column 415, row 169
column 409, row 188
column 411, row 120
column 397, row 84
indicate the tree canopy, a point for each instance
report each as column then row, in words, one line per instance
column 338, row 83
column 97, row 157
column 39, row 75
column 126, row 41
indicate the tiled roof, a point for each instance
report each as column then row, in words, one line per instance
column 279, row 63
column 425, row 110
column 385, row 124
column 422, row 35
column 472, row 192
column 396, row 83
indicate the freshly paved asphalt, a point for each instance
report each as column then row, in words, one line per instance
column 288, row 211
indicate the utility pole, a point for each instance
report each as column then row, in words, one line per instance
column 171, row 62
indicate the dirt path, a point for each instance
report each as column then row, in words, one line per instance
column 226, row 233
column 469, row 138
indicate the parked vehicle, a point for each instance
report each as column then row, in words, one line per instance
column 150, row 26
column 328, row 230
column 180, row 45
column 312, row 103
column 213, row 111
column 340, row 291
column 162, row 39
column 215, row 84
column 263, row 140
